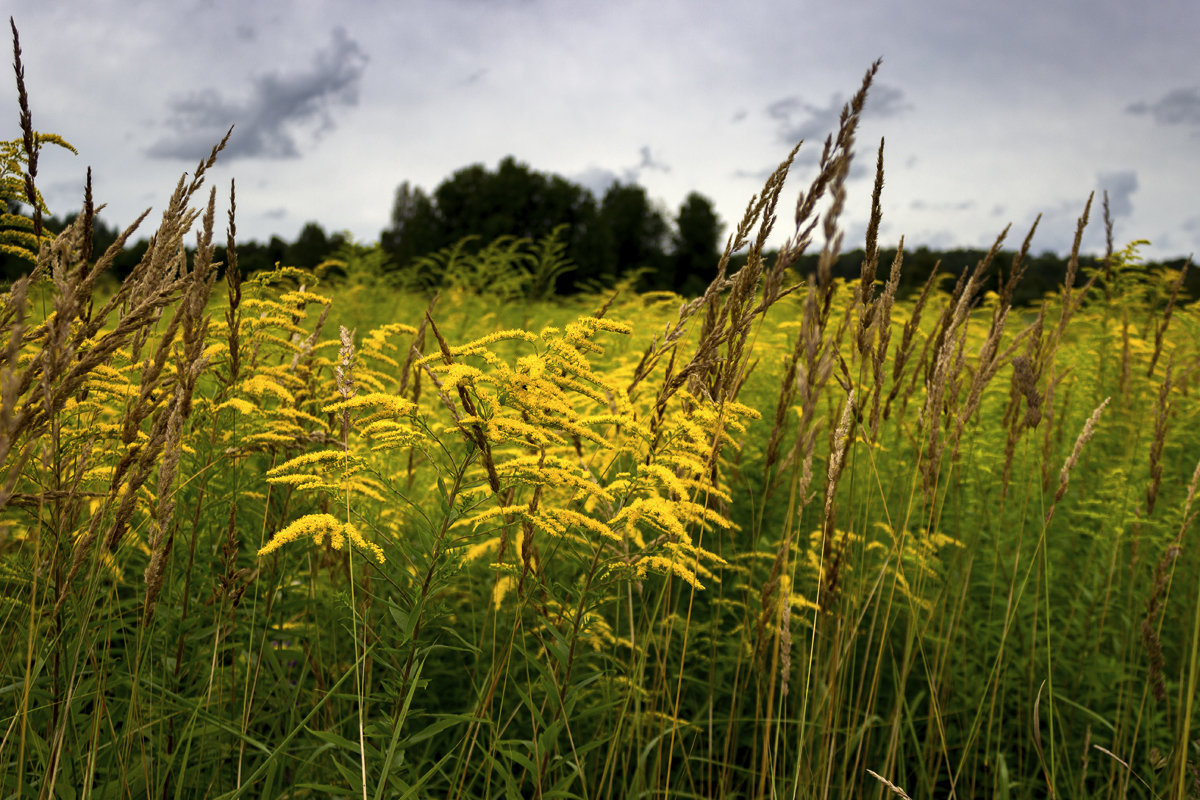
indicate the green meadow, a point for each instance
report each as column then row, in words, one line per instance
column 324, row 533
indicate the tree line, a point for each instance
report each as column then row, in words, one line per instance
column 604, row 237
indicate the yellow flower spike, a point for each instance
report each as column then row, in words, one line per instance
column 385, row 404
column 260, row 385
column 457, row 374
column 666, row 566
column 504, row 585
column 478, row 551
column 319, row 527
column 240, row 406
column 499, row 511
column 341, row 460
column 533, row 366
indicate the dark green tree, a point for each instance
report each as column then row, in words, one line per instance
column 696, row 248
column 511, row 201
column 414, row 226
column 633, row 235
column 311, row 247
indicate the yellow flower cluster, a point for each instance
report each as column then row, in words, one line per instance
column 323, row 528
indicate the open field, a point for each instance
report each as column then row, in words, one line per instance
column 264, row 536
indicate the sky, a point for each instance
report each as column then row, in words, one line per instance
column 992, row 113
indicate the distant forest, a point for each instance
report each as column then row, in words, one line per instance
column 603, row 237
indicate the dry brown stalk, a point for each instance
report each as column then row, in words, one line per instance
column 189, row 362
column 893, row 788
column 830, row 558
column 990, row 359
column 907, row 342
column 1052, row 434
column 476, row 434
column 29, row 137
column 1108, row 249
column 1071, row 300
column 1162, row 413
column 865, row 293
column 883, row 322
column 158, row 280
column 233, row 284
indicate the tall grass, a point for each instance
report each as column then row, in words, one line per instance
column 796, row 537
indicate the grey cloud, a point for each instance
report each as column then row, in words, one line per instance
column 886, row 101
column 596, row 179
column 474, row 77
column 757, row 175
column 1120, row 186
column 797, row 119
column 922, row 205
column 278, row 103
column 649, row 162
column 1176, row 107
column 1056, row 229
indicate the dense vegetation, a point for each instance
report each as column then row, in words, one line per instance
column 267, row 535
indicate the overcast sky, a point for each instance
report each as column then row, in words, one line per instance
column 993, row 112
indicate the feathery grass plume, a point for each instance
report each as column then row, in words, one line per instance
column 1070, row 300
column 190, row 360
column 945, row 366
column 990, row 357
column 891, row 787
column 156, row 281
column 1085, row 436
column 31, row 143
column 865, row 292
column 1024, row 386
column 907, row 343
column 233, row 282
column 883, row 321
column 830, row 554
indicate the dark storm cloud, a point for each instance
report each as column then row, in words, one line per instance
column 1120, row 186
column 1176, row 107
column 266, row 121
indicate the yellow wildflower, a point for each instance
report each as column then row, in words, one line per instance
column 320, row 527
column 258, row 385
